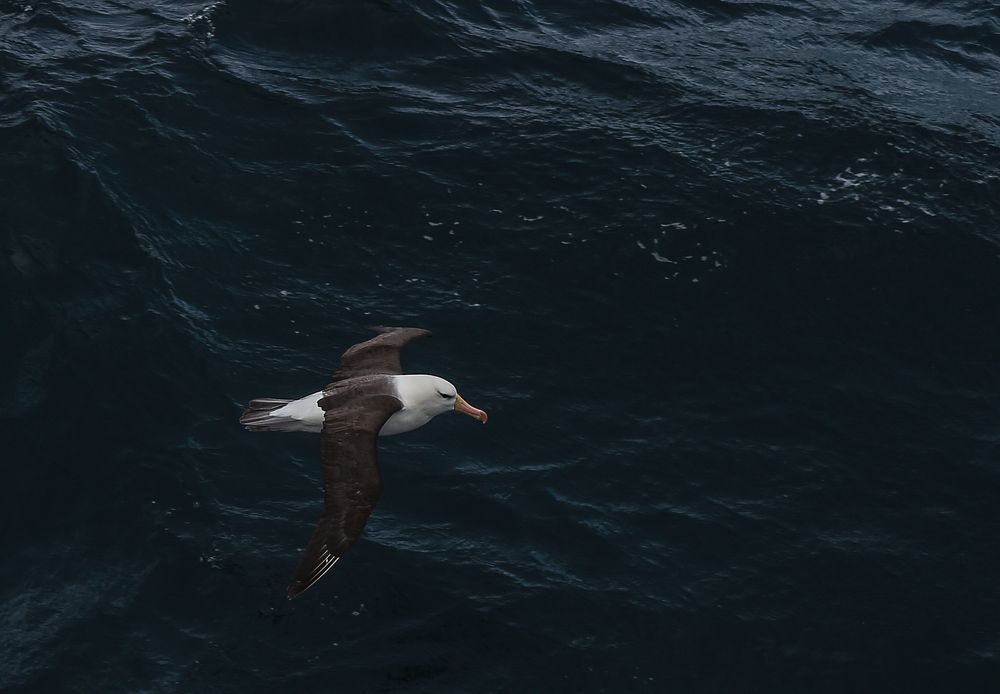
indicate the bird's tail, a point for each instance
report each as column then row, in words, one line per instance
column 259, row 416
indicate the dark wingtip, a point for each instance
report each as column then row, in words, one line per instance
column 383, row 329
column 297, row 588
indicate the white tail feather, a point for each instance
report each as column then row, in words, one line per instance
column 258, row 416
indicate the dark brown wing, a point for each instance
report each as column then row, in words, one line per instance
column 379, row 355
column 351, row 480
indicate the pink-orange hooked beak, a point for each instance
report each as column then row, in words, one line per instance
column 465, row 408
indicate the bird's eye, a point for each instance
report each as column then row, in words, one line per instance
column 444, row 395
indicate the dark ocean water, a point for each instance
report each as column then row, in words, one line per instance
column 725, row 274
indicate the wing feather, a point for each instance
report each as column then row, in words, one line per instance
column 379, row 355
column 352, row 484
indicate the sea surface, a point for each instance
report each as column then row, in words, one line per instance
column 725, row 274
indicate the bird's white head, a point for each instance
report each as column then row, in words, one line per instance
column 433, row 395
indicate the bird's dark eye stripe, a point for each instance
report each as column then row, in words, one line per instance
column 444, row 395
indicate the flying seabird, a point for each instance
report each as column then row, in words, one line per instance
column 368, row 397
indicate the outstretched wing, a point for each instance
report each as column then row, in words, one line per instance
column 379, row 355
column 351, row 481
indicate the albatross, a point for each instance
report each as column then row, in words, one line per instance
column 368, row 397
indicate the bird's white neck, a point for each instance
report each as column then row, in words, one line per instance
column 423, row 396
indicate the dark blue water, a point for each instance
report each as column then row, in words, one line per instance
column 725, row 274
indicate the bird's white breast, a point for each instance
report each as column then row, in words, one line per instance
column 308, row 412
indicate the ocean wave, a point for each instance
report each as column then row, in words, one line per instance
column 723, row 273
column 971, row 46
